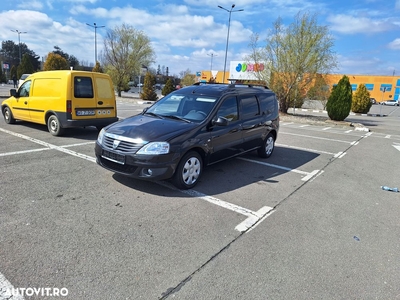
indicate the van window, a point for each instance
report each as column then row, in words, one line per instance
column 83, row 87
column 229, row 109
column 250, row 106
column 25, row 88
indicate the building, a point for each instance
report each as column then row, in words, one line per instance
column 380, row 87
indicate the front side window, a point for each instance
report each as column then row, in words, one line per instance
column 229, row 109
column 25, row 88
column 83, row 87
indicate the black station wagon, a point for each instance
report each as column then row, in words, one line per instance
column 188, row 129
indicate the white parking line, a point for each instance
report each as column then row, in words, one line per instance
column 305, row 149
column 252, row 216
column 316, row 137
column 50, row 146
column 6, row 290
column 307, row 175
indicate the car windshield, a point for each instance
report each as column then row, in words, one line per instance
column 183, row 106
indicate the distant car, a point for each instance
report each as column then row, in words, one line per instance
column 22, row 79
column 373, row 100
column 390, row 102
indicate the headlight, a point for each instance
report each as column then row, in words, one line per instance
column 154, row 148
column 100, row 136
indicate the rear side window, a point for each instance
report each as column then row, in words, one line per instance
column 268, row 103
column 250, row 106
column 83, row 87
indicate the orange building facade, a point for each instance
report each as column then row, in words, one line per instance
column 380, row 87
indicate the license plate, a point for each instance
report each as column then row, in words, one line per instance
column 115, row 157
column 85, row 112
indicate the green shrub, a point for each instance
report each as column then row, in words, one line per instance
column 149, row 92
column 168, row 87
column 361, row 102
column 339, row 102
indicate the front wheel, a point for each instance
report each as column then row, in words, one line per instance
column 54, row 126
column 188, row 172
column 8, row 116
column 268, row 146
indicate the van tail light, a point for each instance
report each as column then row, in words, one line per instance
column 69, row 106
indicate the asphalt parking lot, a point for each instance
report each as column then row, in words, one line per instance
column 311, row 222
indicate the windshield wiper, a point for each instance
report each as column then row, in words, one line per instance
column 153, row 114
column 177, row 118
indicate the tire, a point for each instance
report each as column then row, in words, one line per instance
column 188, row 172
column 54, row 126
column 8, row 116
column 268, row 146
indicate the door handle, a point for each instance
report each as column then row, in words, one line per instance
column 100, row 102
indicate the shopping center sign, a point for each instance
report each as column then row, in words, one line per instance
column 241, row 70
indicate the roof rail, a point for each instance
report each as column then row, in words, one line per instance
column 233, row 85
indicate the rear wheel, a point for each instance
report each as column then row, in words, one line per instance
column 189, row 170
column 8, row 116
column 54, row 126
column 268, row 146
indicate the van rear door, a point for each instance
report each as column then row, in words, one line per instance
column 105, row 97
column 84, row 101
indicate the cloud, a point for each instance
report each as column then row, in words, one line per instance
column 348, row 24
column 394, row 45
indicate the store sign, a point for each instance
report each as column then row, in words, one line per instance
column 6, row 66
column 240, row 70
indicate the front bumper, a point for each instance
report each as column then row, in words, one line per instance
column 146, row 167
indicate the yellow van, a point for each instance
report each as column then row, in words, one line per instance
column 63, row 99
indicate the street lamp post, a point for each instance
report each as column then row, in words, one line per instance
column 227, row 38
column 19, row 42
column 212, row 55
column 95, row 39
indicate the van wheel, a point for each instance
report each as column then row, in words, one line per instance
column 268, row 146
column 188, row 172
column 54, row 126
column 8, row 116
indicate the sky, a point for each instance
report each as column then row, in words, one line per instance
column 192, row 34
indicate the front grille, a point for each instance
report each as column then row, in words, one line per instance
column 123, row 146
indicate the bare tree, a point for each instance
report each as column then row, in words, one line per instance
column 293, row 56
column 125, row 51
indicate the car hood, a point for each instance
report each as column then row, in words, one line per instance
column 150, row 128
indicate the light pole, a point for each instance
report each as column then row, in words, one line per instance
column 95, row 39
column 19, row 42
column 212, row 55
column 227, row 38
column 383, row 89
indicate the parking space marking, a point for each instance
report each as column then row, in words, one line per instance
column 42, row 149
column 318, row 138
column 6, row 290
column 252, row 216
column 307, row 175
column 50, row 146
column 326, row 128
column 305, row 149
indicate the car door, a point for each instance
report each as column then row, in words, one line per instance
column 252, row 121
column 20, row 105
column 226, row 141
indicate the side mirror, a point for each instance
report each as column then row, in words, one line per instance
column 220, row 121
column 13, row 93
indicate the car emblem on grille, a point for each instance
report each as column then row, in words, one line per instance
column 115, row 144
